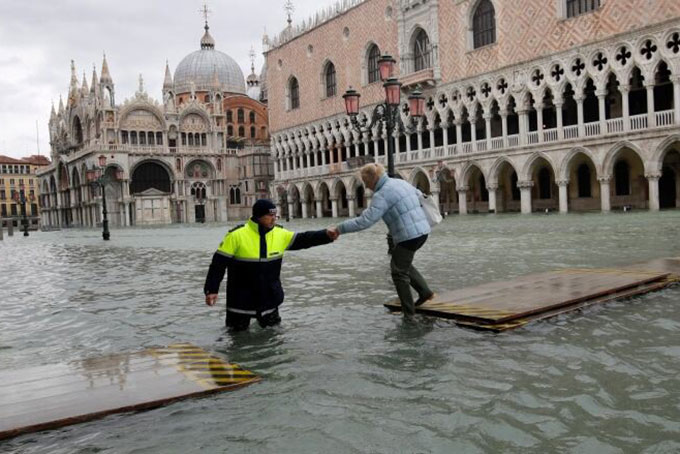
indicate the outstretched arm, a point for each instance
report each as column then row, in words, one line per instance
column 304, row 240
column 370, row 216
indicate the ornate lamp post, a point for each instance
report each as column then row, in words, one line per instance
column 387, row 112
column 20, row 198
column 97, row 178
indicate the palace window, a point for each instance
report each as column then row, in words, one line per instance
column 330, row 81
column 230, row 117
column 252, row 132
column 241, row 132
column 484, row 24
column 578, row 7
column 294, row 93
column 422, row 51
column 373, row 56
column 241, row 116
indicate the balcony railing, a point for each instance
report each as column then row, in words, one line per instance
column 571, row 132
column 593, row 129
column 638, row 122
column 550, row 135
column 532, row 137
column 665, row 118
column 614, row 125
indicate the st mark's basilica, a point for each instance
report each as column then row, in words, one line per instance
column 199, row 155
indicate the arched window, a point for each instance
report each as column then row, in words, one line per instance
column 219, row 164
column 584, row 181
column 207, row 98
column 330, row 82
column 373, row 56
column 294, row 93
column 252, row 117
column 237, row 196
column 230, row 117
column 232, row 196
column 241, row 116
column 422, row 51
column 241, row 131
column 252, row 132
column 484, row 24
column 230, row 130
column 578, row 7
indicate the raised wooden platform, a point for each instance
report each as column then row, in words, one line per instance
column 499, row 306
column 47, row 397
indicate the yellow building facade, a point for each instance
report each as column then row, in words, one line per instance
column 17, row 175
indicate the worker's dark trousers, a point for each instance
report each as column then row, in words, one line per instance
column 405, row 276
column 240, row 322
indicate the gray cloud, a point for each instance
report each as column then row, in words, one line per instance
column 38, row 39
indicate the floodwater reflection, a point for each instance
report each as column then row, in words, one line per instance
column 341, row 374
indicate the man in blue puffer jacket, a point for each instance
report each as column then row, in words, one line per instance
column 398, row 204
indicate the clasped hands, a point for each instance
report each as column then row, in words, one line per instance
column 333, row 232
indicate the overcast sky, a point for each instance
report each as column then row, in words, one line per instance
column 38, row 39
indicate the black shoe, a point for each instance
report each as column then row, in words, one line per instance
column 423, row 299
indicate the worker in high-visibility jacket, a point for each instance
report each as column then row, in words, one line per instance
column 253, row 254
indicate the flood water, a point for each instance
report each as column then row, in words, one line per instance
column 341, row 375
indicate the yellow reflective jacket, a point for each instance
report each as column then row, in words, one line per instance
column 253, row 255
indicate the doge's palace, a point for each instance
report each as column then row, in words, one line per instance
column 532, row 105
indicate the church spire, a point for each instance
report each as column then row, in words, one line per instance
column 84, row 89
column 53, row 113
column 94, row 83
column 167, row 83
column 61, row 105
column 106, row 75
column 73, row 86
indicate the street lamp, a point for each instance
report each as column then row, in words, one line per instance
column 97, row 178
column 387, row 112
column 20, row 198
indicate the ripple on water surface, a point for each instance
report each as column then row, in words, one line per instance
column 342, row 375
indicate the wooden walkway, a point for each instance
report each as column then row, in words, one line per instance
column 47, row 397
column 499, row 306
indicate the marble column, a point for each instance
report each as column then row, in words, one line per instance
column 651, row 119
column 605, row 194
column 291, row 208
column 352, row 204
column 539, row 120
column 487, row 129
column 653, row 180
column 579, row 110
column 625, row 106
column 462, row 200
column 319, row 208
column 560, row 120
column 525, row 193
column 334, row 206
column 493, row 190
column 563, row 186
column 504, row 125
column 305, row 214
column 602, row 110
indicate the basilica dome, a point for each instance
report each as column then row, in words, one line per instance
column 201, row 67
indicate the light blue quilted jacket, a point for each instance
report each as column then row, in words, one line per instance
column 397, row 203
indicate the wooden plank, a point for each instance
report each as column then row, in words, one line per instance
column 514, row 324
column 54, row 396
column 503, row 301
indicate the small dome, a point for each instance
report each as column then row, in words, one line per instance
column 200, row 66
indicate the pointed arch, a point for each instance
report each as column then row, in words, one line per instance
column 656, row 162
column 527, row 169
column 564, row 166
column 482, row 23
column 614, row 151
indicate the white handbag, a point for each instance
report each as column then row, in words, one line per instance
column 431, row 209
